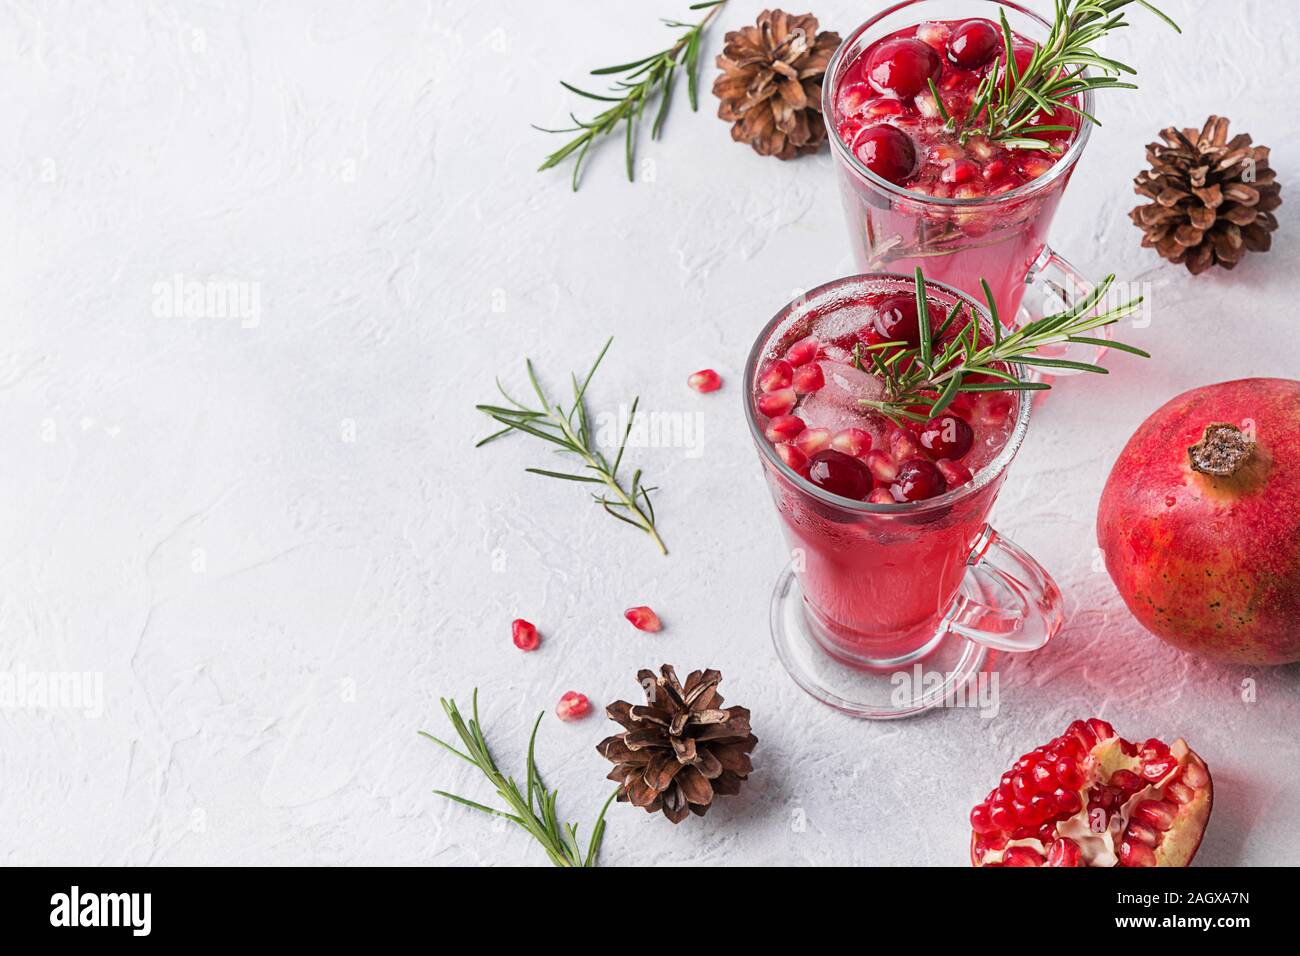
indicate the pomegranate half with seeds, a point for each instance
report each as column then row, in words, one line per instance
column 1092, row 798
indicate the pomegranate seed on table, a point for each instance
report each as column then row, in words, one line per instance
column 780, row 402
column 643, row 618
column 777, row 376
column 572, row 706
column 524, row 634
column 705, row 380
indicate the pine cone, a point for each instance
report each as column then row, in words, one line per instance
column 771, row 83
column 1213, row 197
column 680, row 749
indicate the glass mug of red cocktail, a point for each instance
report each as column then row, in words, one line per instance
column 916, row 194
column 893, row 563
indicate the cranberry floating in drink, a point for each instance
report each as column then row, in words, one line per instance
column 951, row 159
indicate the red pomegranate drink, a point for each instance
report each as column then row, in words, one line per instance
column 876, row 582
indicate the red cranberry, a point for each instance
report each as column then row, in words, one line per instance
column 973, row 44
column 896, row 319
column 947, row 437
column 840, row 474
column 917, row 479
column 903, row 67
column 887, row 151
column 1023, row 52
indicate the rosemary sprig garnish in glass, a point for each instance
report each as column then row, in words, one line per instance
column 571, row 432
column 1008, row 99
column 930, row 375
column 532, row 809
column 643, row 80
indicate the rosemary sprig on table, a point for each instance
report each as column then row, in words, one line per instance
column 532, row 809
column 931, row 375
column 644, row 79
column 571, row 432
column 1007, row 100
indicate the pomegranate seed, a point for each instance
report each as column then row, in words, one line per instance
column 887, row 151
column 813, row 440
column 524, row 635
column 855, row 97
column 992, row 408
column 572, row 706
column 1022, row 856
column 882, row 467
column 1083, row 733
column 1067, row 801
column 1035, row 167
column 852, row 441
column 1002, row 817
column 808, row 378
column 778, row 375
column 1135, row 854
column 1064, row 852
column 947, row 437
column 643, row 618
column 903, row 67
column 1180, row 793
column 1126, row 780
column 1153, row 748
column 779, row 402
column 903, row 446
column 793, row 457
column 973, row 44
column 885, row 107
column 705, row 380
column 917, row 479
column 1042, row 807
column 960, row 171
column 1144, row 834
column 1103, row 730
column 980, row 819
column 1156, row 769
column 840, row 474
column 802, row 352
column 881, row 496
column 1195, row 774
column 1156, row 814
column 1043, row 776
column 935, row 34
column 784, row 428
column 954, row 472
column 1023, row 787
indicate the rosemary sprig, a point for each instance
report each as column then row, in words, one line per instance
column 1008, row 100
column 571, row 432
column 533, row 809
column 931, row 375
column 643, row 80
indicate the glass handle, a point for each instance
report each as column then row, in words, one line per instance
column 1054, row 285
column 1009, row 602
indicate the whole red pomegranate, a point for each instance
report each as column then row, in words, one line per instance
column 1092, row 798
column 1200, row 521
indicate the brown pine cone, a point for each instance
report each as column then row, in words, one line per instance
column 681, row 748
column 771, row 83
column 1212, row 197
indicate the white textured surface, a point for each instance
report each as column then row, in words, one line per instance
column 369, row 167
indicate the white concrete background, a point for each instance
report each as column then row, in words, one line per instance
column 275, row 609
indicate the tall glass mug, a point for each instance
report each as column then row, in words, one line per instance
column 1001, row 238
column 886, row 610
